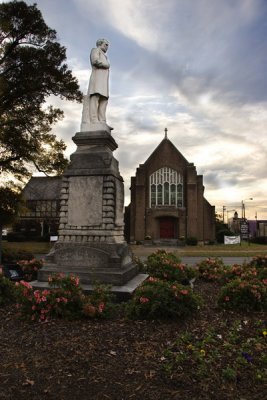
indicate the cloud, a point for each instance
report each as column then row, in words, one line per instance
column 195, row 67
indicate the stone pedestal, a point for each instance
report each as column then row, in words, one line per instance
column 91, row 239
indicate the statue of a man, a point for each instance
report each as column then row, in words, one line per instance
column 96, row 100
column 98, row 90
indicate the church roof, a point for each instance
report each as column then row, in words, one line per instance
column 43, row 188
column 165, row 142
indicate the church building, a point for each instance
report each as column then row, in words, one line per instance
column 167, row 200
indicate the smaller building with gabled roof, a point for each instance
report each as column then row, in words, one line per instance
column 40, row 217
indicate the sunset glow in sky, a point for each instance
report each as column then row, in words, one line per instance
column 197, row 67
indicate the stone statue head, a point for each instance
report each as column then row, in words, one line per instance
column 99, row 42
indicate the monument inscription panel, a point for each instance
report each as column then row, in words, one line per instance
column 85, row 200
column 76, row 257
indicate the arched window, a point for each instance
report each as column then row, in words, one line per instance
column 166, row 188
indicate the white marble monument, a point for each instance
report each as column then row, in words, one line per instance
column 91, row 239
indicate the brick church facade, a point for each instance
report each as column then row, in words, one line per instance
column 167, row 200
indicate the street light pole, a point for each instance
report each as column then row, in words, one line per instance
column 224, row 208
column 243, row 207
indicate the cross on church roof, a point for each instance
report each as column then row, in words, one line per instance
column 166, row 130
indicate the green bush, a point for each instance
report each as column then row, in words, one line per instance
column 166, row 266
column 15, row 237
column 30, row 268
column 259, row 240
column 65, row 299
column 258, row 262
column 244, row 294
column 213, row 269
column 100, row 303
column 9, row 256
column 7, row 290
column 191, row 241
column 210, row 269
column 223, row 232
column 156, row 299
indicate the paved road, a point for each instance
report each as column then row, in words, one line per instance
column 226, row 260
column 188, row 260
column 195, row 260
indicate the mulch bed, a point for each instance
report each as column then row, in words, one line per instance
column 107, row 359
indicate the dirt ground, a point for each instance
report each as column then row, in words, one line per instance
column 116, row 359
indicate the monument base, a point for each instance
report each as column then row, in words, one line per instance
column 109, row 263
column 91, row 241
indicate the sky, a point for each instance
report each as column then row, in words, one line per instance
column 195, row 67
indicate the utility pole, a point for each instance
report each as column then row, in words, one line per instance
column 224, row 208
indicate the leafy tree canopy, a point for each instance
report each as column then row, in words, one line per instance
column 10, row 203
column 32, row 68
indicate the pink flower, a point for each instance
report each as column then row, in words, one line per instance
column 33, row 307
column 64, row 300
column 101, row 307
column 143, row 300
column 26, row 284
column 226, row 298
column 184, row 291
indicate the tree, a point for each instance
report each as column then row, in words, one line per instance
column 10, row 204
column 32, row 68
column 221, row 228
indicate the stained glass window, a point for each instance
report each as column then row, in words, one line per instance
column 166, row 188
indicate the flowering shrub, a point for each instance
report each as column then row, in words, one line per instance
column 99, row 303
column 64, row 299
column 30, row 268
column 244, row 271
column 7, row 294
column 160, row 299
column 210, row 269
column 258, row 262
column 250, row 294
column 167, row 266
column 232, row 354
column 214, row 270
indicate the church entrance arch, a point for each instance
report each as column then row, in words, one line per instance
column 167, row 228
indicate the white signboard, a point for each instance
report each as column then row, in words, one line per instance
column 231, row 239
column 53, row 238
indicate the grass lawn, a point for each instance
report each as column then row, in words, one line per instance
column 221, row 250
column 33, row 247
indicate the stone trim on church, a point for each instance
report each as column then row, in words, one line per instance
column 167, row 200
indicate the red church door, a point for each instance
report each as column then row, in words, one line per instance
column 167, row 228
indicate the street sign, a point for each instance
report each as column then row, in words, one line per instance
column 244, row 231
